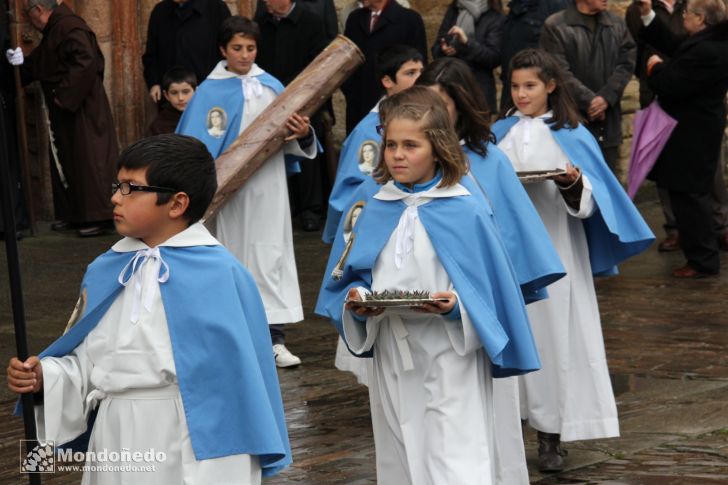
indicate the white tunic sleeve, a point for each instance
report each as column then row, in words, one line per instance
column 66, row 383
column 294, row 148
column 463, row 336
column 360, row 336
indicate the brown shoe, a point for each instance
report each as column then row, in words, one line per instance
column 688, row 271
column 723, row 242
column 669, row 244
column 550, row 454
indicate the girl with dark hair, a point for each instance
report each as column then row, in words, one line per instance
column 526, row 239
column 564, row 112
column 536, row 263
column 594, row 226
column 471, row 31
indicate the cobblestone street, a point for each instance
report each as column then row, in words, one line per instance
column 666, row 339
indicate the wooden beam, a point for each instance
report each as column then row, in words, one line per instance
column 265, row 135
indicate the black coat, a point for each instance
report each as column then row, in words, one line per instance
column 325, row 9
column 288, row 45
column 633, row 18
column 691, row 88
column 599, row 63
column 523, row 25
column 482, row 52
column 397, row 25
column 183, row 36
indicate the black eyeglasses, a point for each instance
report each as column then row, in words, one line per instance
column 127, row 188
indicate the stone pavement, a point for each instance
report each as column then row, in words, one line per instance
column 667, row 345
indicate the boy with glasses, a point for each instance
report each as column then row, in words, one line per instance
column 169, row 341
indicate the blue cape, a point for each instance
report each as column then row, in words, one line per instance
column 529, row 247
column 478, row 266
column 221, row 345
column 348, row 174
column 616, row 230
column 226, row 95
column 534, row 258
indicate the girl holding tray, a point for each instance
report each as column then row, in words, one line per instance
column 594, row 226
column 431, row 376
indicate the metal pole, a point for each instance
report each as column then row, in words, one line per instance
column 16, row 288
column 15, row 34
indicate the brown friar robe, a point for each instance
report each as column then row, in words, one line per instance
column 166, row 121
column 70, row 67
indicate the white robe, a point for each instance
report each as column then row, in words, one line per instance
column 128, row 370
column 430, row 383
column 572, row 393
column 255, row 223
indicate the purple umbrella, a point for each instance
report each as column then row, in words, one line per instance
column 652, row 129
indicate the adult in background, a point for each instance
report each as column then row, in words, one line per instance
column 377, row 25
column 691, row 87
column 597, row 52
column 325, row 9
column 352, row 5
column 522, row 30
column 290, row 38
column 670, row 13
column 70, row 67
column 182, row 33
column 472, row 30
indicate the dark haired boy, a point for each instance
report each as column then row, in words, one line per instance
column 255, row 223
column 398, row 67
column 178, row 86
column 169, row 340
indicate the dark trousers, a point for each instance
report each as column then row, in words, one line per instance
column 306, row 189
column 694, row 217
column 277, row 335
column 718, row 201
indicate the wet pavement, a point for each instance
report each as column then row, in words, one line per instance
column 666, row 339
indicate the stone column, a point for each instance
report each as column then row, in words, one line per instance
column 128, row 91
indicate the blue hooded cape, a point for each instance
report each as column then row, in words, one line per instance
column 527, row 241
column 221, row 345
column 467, row 243
column 616, row 230
column 226, row 94
column 348, row 174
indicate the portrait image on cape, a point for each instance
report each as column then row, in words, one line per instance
column 216, row 122
column 368, row 156
column 352, row 216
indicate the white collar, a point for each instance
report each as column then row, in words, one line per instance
column 195, row 235
column 545, row 116
column 390, row 192
column 220, row 72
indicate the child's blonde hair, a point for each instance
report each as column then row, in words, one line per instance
column 425, row 107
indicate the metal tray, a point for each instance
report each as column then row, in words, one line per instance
column 394, row 303
column 539, row 175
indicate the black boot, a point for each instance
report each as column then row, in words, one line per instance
column 550, row 454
